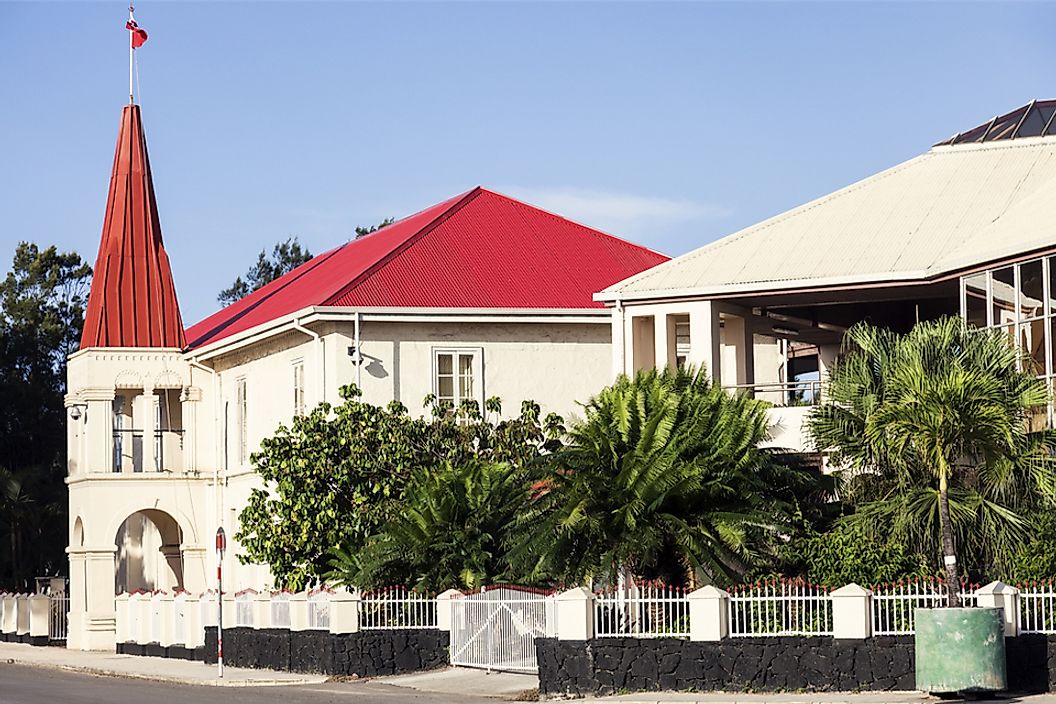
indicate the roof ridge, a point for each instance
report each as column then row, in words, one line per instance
column 400, row 248
column 769, row 222
column 593, row 230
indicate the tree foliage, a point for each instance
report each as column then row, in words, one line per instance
column 663, row 478
column 932, row 432
column 285, row 257
column 450, row 532
column 364, row 231
column 338, row 475
column 43, row 299
column 847, row 553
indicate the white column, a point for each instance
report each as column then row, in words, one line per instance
column 194, row 558
column 344, row 611
column 708, row 614
column 149, row 406
column 739, row 334
column 1005, row 597
column 663, row 342
column 443, row 608
column 705, row 347
column 619, row 342
column 575, row 614
column 850, row 612
column 98, row 431
column 92, row 620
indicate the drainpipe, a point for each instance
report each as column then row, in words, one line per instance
column 322, row 356
column 359, row 355
column 218, row 487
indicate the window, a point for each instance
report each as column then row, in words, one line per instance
column 1019, row 301
column 119, row 427
column 298, row 388
column 241, row 411
column 457, row 376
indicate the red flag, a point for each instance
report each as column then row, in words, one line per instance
column 139, row 36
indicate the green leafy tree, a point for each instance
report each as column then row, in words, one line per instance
column 364, row 231
column 451, row 530
column 339, row 474
column 42, row 315
column 932, row 432
column 848, row 553
column 664, row 477
column 285, row 257
column 1036, row 558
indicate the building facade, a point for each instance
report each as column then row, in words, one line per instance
column 475, row 297
column 967, row 228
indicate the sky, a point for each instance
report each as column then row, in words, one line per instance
column 670, row 124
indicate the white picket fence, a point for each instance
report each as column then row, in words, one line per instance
column 893, row 604
column 1037, row 607
column 641, row 610
column 397, row 607
column 780, row 608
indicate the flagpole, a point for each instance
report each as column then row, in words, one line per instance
column 131, row 55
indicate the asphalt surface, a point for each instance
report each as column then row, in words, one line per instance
column 20, row 684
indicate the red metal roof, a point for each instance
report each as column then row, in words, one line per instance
column 478, row 250
column 132, row 302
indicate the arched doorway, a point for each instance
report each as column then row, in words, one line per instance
column 148, row 553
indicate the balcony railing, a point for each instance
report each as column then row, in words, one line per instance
column 782, row 393
column 128, row 449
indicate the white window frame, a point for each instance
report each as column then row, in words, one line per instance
column 242, row 420
column 299, row 404
column 477, row 366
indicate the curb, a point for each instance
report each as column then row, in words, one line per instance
column 214, row 682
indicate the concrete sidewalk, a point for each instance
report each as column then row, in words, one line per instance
column 157, row 669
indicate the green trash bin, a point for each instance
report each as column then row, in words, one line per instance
column 960, row 650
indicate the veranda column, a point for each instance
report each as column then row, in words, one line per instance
column 705, row 342
column 619, row 342
column 98, row 431
column 149, row 404
column 739, row 334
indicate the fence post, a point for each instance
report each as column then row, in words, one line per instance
column 575, row 614
column 709, row 615
column 1000, row 595
column 851, row 615
column 23, row 614
column 344, row 611
column 121, row 617
column 193, row 630
column 299, row 611
column 39, row 616
column 443, row 608
column 166, row 606
column 262, row 610
column 230, row 609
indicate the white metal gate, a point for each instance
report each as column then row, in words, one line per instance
column 496, row 628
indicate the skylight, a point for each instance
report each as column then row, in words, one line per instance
column 1031, row 120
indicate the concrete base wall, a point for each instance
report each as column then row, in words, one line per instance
column 364, row 654
column 605, row 666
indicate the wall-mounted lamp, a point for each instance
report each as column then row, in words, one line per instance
column 76, row 412
column 355, row 355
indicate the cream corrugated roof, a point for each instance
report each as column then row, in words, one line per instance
column 949, row 208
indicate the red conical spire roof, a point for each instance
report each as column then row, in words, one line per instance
column 133, row 299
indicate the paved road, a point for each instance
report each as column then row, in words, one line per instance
column 20, row 684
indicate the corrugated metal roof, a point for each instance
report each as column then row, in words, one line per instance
column 478, row 250
column 951, row 207
column 132, row 302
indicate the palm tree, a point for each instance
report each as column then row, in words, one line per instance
column 663, row 478
column 448, row 533
column 931, row 430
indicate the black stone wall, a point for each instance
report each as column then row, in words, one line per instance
column 606, row 665
column 364, row 654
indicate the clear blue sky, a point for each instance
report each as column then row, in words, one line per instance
column 669, row 124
